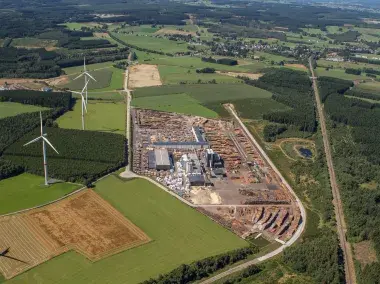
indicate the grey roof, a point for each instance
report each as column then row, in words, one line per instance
column 190, row 143
column 198, row 134
column 162, row 157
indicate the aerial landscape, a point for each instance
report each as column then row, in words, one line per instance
column 189, row 141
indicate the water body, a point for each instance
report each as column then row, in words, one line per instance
column 305, row 152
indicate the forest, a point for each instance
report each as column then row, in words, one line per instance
column 292, row 88
column 84, row 156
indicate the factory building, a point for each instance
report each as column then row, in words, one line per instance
column 192, row 145
column 199, row 134
column 162, row 160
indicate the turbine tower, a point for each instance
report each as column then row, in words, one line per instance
column 87, row 76
column 44, row 140
column 84, row 107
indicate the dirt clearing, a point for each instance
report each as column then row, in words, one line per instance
column 144, row 75
column 203, row 196
column 299, row 66
column 365, row 253
column 83, row 222
column 252, row 76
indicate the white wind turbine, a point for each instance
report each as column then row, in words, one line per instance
column 84, row 107
column 44, row 140
column 87, row 76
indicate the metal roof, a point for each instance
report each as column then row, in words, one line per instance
column 162, row 157
column 190, row 143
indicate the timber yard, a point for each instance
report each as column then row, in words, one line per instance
column 212, row 164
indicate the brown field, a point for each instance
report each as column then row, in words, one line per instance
column 365, row 253
column 300, row 66
column 144, row 75
column 101, row 35
column 173, row 32
column 83, row 222
column 253, row 76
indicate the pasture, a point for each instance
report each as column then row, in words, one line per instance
column 372, row 86
column 11, row 109
column 103, row 80
column 101, row 116
column 180, row 103
column 154, row 43
column 339, row 73
column 156, row 213
column 27, row 190
column 176, row 75
column 90, row 67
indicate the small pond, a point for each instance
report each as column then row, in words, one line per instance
column 306, row 152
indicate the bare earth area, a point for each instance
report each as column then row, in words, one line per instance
column 300, row 66
column 253, row 76
column 83, row 222
column 144, row 75
column 365, row 253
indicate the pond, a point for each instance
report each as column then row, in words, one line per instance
column 305, row 152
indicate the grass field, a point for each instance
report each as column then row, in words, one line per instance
column 78, row 26
column 255, row 108
column 179, row 233
column 206, row 92
column 154, row 43
column 141, row 29
column 373, row 86
column 90, row 67
column 33, row 42
column 11, row 109
column 181, row 103
column 103, row 80
column 175, row 75
column 339, row 73
column 101, row 116
column 26, row 190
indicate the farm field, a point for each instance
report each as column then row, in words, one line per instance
column 255, row 108
column 156, row 213
column 101, row 116
column 78, row 26
column 339, row 73
column 153, row 43
column 206, row 92
column 143, row 75
column 370, row 86
column 141, row 29
column 175, row 75
column 343, row 65
column 90, row 67
column 107, row 79
column 180, row 103
column 11, row 109
column 27, row 190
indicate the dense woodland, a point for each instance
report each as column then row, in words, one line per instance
column 292, row 88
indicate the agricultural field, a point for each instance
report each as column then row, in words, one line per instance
column 343, row 65
column 90, row 67
column 27, row 190
column 373, row 86
column 176, row 75
column 141, row 29
column 180, row 103
column 340, row 74
column 101, row 116
column 107, row 79
column 29, row 42
column 78, row 26
column 154, row 43
column 156, row 213
column 11, row 109
column 143, row 75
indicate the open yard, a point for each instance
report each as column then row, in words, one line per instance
column 83, row 222
column 26, row 190
column 181, row 103
column 143, row 75
column 11, row 109
column 156, row 213
column 101, row 116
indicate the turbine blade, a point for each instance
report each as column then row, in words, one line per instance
column 47, row 141
column 88, row 74
column 75, row 92
column 84, row 63
column 42, row 130
column 80, row 75
column 34, row 140
column 85, row 86
column 84, row 104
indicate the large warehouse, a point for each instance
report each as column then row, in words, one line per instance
column 162, row 159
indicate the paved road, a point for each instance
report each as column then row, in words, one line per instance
column 339, row 214
column 289, row 242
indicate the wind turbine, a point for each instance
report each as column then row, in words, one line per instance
column 87, row 76
column 44, row 140
column 84, row 107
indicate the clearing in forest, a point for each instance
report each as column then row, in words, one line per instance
column 144, row 75
column 83, row 222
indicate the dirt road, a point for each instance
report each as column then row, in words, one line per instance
column 339, row 214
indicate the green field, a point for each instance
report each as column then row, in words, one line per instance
column 141, row 29
column 373, row 86
column 101, row 116
column 11, row 109
column 26, row 190
column 154, row 43
column 180, row 235
column 175, row 75
column 78, row 26
column 90, row 67
column 339, row 73
column 30, row 42
column 206, row 92
column 255, row 108
column 181, row 103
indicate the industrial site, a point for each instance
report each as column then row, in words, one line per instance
column 214, row 165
